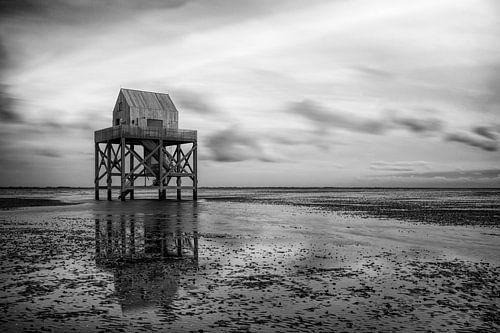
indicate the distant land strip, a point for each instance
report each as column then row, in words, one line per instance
column 10, row 203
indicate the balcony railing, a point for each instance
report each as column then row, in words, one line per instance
column 137, row 132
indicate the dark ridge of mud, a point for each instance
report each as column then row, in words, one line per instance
column 11, row 203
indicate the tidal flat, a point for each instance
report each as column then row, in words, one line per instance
column 257, row 260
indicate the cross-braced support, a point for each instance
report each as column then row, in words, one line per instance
column 130, row 159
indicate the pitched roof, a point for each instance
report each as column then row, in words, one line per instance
column 148, row 100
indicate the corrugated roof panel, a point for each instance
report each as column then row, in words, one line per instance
column 165, row 102
column 148, row 100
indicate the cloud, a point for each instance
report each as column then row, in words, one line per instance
column 419, row 125
column 487, row 145
column 376, row 72
column 7, row 113
column 330, row 118
column 47, row 153
column 20, row 7
column 398, row 165
column 487, row 132
column 187, row 99
column 456, row 174
column 78, row 11
column 231, row 145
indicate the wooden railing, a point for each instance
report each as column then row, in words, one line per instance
column 137, row 132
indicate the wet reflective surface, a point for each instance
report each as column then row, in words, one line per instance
column 225, row 265
column 146, row 254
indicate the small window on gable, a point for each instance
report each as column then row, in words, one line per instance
column 132, row 122
column 120, row 106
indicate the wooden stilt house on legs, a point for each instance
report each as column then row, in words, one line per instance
column 145, row 142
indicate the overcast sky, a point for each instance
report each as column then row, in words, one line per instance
column 282, row 93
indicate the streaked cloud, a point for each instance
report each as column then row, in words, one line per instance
column 455, row 174
column 399, row 165
column 232, row 145
column 418, row 125
column 473, row 141
column 487, row 132
column 326, row 119
column 194, row 101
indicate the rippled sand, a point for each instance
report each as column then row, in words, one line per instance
column 244, row 265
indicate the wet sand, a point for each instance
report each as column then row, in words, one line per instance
column 257, row 266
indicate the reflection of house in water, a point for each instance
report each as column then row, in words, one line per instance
column 148, row 253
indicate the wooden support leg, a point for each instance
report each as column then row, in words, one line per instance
column 131, row 173
column 178, row 170
column 195, row 172
column 122, row 162
column 160, row 171
column 108, row 169
column 97, row 169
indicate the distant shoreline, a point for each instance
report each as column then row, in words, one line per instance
column 11, row 203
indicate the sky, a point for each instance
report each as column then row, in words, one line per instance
column 282, row 93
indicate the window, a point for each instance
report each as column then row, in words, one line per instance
column 120, row 106
column 117, row 122
column 155, row 123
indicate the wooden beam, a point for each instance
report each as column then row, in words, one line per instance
column 195, row 177
column 172, row 187
column 170, row 156
column 186, row 161
column 177, row 167
column 142, row 162
column 178, row 171
column 115, row 156
column 160, row 172
column 180, row 160
column 108, row 169
column 131, row 173
column 178, row 174
column 122, row 160
column 97, row 169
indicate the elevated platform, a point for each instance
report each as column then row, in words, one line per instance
column 169, row 136
column 133, row 152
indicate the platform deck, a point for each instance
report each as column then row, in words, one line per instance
column 115, row 133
